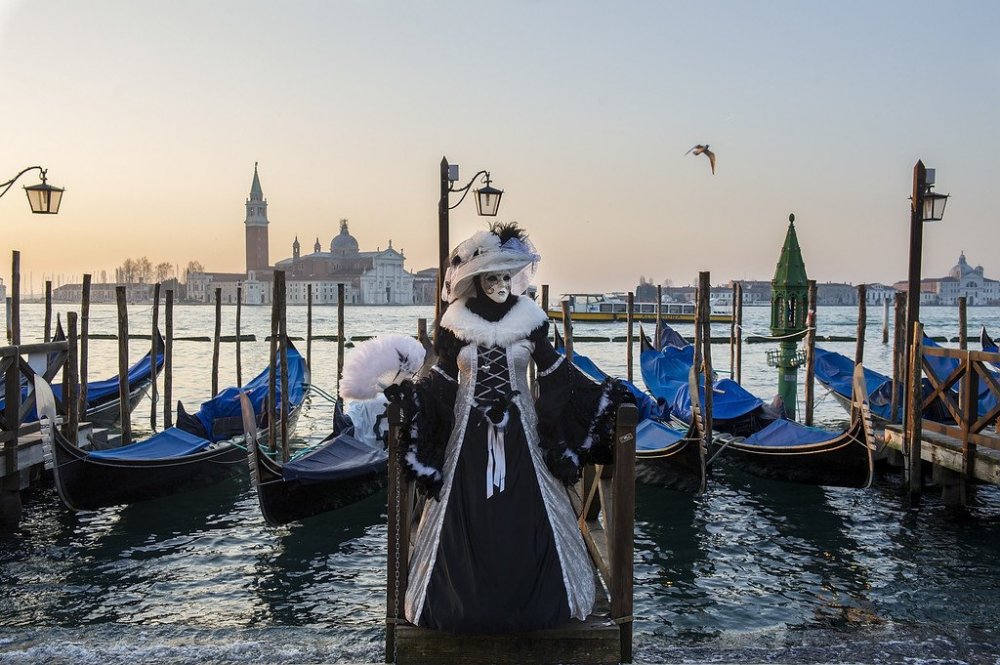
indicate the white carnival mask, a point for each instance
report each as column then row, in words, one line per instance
column 496, row 285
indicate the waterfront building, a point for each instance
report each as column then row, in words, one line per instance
column 369, row 277
column 961, row 281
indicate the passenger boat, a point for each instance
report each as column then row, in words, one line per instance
column 614, row 307
column 199, row 451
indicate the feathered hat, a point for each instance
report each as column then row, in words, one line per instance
column 505, row 247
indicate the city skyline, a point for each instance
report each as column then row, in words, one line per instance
column 153, row 117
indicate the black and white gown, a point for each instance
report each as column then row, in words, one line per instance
column 500, row 550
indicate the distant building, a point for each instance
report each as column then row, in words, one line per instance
column 377, row 278
column 961, row 280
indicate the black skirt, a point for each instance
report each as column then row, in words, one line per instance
column 497, row 568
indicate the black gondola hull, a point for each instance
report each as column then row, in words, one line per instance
column 89, row 484
column 284, row 501
column 678, row 467
column 844, row 461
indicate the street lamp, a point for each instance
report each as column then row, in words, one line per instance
column 44, row 199
column 925, row 206
column 487, row 205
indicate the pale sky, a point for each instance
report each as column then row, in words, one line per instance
column 151, row 114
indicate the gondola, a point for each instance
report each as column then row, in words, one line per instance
column 343, row 468
column 666, row 454
column 349, row 464
column 103, row 401
column 762, row 442
column 199, row 451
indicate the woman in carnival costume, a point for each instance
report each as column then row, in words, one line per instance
column 498, row 548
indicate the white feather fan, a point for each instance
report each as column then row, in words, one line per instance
column 378, row 363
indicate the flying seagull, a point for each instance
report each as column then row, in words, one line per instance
column 699, row 149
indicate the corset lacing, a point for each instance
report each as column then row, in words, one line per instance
column 493, row 397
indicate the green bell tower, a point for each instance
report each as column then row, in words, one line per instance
column 789, row 302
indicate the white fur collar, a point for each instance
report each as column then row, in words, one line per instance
column 522, row 318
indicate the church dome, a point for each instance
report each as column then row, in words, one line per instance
column 343, row 242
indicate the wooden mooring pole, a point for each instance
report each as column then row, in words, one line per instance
column 885, row 321
column 84, row 342
column 216, row 337
column 48, row 311
column 283, row 348
column 71, row 380
column 630, row 327
column 810, row 380
column 567, row 331
column 340, row 333
column 963, row 332
column 659, row 318
column 738, row 304
column 15, row 299
column 155, row 351
column 705, row 330
column 859, row 346
column 272, row 375
column 545, row 299
column 309, row 325
column 168, row 359
column 898, row 356
column 239, row 351
column 126, row 416
column 914, row 422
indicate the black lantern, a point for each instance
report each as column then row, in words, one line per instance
column 44, row 199
column 488, row 199
column 934, row 204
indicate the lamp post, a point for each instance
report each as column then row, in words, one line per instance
column 44, row 199
column 487, row 205
column 925, row 206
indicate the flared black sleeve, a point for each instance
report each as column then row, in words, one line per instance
column 428, row 412
column 576, row 416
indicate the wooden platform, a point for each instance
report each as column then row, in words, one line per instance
column 946, row 452
column 595, row 640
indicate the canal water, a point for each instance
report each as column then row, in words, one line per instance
column 750, row 571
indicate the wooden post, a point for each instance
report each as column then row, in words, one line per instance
column 340, row 333
column 398, row 522
column 272, row 375
column 885, row 321
column 738, row 370
column 283, row 350
column 126, row 415
column 628, row 336
column 168, row 359
column 309, row 325
column 239, row 351
column 914, row 428
column 71, row 381
column 153, row 353
column 898, row 356
column 810, row 381
column 733, row 333
column 48, row 311
column 215, row 341
column 84, row 343
column 659, row 317
column 963, row 333
column 705, row 323
column 567, row 331
column 15, row 300
column 545, row 299
column 622, row 526
column 859, row 346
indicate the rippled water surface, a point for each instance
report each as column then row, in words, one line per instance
column 751, row 571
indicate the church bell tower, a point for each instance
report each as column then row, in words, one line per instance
column 256, row 226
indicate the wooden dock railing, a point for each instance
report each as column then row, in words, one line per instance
column 959, row 393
